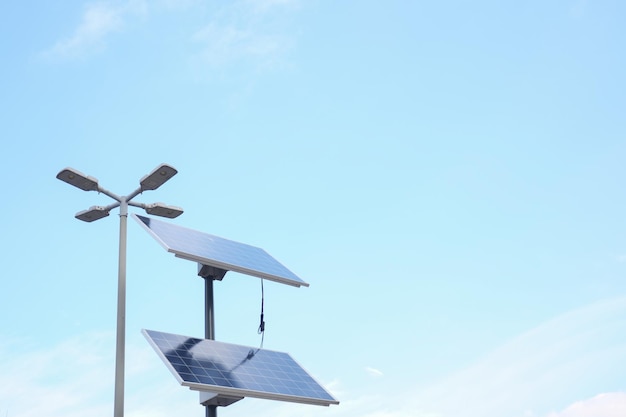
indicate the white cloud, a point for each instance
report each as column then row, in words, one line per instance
column 241, row 31
column 224, row 45
column 262, row 6
column 580, row 352
column 75, row 378
column 248, row 32
column 98, row 21
column 178, row 4
column 63, row 380
column 612, row 404
column 373, row 371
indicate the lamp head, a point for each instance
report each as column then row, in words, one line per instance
column 92, row 214
column 163, row 210
column 157, row 177
column 78, row 179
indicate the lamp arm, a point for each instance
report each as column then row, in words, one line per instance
column 133, row 195
column 135, row 204
column 110, row 194
column 112, row 206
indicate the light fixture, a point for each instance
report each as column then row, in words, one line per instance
column 78, row 179
column 158, row 177
column 94, row 213
column 160, row 209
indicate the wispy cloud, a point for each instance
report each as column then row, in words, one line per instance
column 612, row 404
column 251, row 32
column 223, row 45
column 540, row 371
column 373, row 371
column 262, row 6
column 177, row 4
column 75, row 378
column 63, row 380
column 98, row 21
column 246, row 32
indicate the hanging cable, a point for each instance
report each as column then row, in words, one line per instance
column 261, row 329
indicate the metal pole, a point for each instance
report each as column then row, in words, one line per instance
column 209, row 319
column 209, row 327
column 118, row 406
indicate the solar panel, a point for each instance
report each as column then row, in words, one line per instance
column 237, row 371
column 218, row 252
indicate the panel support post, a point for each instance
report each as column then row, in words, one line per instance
column 210, row 274
column 209, row 327
column 209, row 309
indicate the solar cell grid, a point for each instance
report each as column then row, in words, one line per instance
column 231, row 369
column 215, row 251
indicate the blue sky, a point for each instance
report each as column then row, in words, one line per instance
column 448, row 177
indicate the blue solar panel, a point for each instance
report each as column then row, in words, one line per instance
column 234, row 370
column 218, row 252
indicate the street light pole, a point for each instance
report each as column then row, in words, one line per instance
column 152, row 181
column 120, row 343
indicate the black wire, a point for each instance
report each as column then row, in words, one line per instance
column 261, row 329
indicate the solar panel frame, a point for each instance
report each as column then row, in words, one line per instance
column 230, row 370
column 219, row 252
